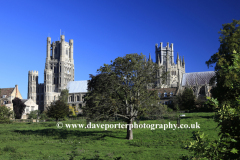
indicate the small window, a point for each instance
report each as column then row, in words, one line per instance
column 165, row 94
column 4, row 96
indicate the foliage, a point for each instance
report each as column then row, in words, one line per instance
column 185, row 100
column 64, row 95
column 57, row 109
column 120, row 89
column 5, row 113
column 226, row 95
column 43, row 115
column 18, row 107
column 72, row 110
column 34, row 114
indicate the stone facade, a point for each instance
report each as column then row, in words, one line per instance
column 59, row 70
column 30, row 106
column 165, row 59
column 177, row 80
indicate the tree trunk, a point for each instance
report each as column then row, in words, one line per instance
column 129, row 129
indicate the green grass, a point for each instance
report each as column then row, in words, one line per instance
column 45, row 141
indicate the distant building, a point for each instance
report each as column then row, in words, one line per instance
column 59, row 70
column 8, row 94
column 177, row 80
column 77, row 89
column 30, row 106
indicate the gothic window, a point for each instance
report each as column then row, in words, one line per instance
column 33, row 77
column 202, row 90
column 78, row 98
column 72, row 98
column 165, row 94
column 47, row 88
column 54, row 81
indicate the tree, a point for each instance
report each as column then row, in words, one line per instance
column 64, row 95
column 4, row 114
column 18, row 107
column 120, row 89
column 185, row 100
column 33, row 114
column 58, row 109
column 226, row 97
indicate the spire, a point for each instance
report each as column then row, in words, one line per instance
column 145, row 59
column 177, row 56
column 183, row 60
column 149, row 57
column 158, row 60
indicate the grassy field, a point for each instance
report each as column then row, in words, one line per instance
column 46, row 141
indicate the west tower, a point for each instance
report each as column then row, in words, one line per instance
column 59, row 70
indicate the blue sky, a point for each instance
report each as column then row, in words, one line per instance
column 103, row 30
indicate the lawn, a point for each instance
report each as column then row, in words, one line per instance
column 45, row 141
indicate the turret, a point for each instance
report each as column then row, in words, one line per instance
column 71, row 50
column 172, row 53
column 48, row 47
column 178, row 61
column 62, row 48
column 32, row 84
column 158, row 61
column 183, row 62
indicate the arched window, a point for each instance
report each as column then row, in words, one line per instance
column 78, row 98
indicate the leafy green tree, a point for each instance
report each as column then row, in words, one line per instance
column 120, row 89
column 226, row 96
column 64, row 95
column 58, row 109
column 18, row 107
column 4, row 114
column 185, row 100
column 33, row 114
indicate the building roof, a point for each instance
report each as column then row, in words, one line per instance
column 200, row 77
column 24, row 100
column 77, row 86
column 6, row 91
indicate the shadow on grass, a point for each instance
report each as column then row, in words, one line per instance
column 64, row 133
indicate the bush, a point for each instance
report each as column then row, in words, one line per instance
column 5, row 114
column 33, row 114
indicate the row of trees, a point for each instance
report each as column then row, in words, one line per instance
column 226, row 99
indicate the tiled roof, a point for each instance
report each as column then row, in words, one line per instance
column 24, row 100
column 200, row 77
column 77, row 86
column 6, row 91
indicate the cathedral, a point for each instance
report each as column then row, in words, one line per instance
column 59, row 75
column 59, row 70
column 177, row 79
